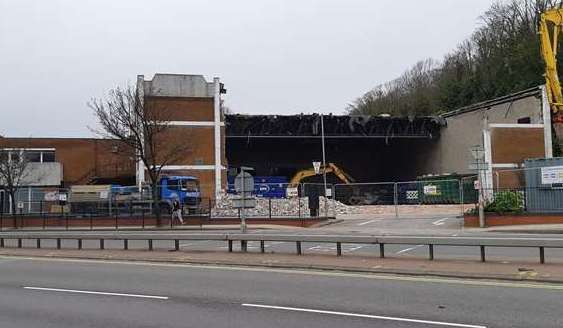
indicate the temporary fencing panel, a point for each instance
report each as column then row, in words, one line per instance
column 381, row 193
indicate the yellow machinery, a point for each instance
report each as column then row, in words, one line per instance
column 550, row 26
column 329, row 168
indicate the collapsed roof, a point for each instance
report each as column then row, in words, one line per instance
column 335, row 126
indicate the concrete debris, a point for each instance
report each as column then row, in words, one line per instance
column 281, row 207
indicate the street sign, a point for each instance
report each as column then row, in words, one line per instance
column 328, row 192
column 291, row 192
column 552, row 175
column 20, row 205
column 430, row 190
column 244, row 181
column 317, row 167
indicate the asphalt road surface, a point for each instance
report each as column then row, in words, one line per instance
column 65, row 293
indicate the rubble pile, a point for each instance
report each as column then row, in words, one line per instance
column 280, row 207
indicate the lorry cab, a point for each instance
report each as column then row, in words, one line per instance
column 184, row 188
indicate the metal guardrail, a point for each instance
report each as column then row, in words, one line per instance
column 481, row 242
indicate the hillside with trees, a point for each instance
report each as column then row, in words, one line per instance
column 501, row 56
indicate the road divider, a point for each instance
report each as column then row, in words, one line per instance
column 430, row 242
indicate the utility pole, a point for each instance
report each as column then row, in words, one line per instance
column 324, row 164
column 479, row 154
column 324, row 156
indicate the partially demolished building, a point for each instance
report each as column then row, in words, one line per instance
column 368, row 148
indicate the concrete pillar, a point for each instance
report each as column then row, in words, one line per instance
column 217, row 136
column 546, row 115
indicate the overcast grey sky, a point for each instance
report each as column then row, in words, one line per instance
column 274, row 56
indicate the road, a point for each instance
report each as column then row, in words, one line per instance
column 65, row 293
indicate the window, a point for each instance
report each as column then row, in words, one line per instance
column 190, row 185
column 524, row 120
column 172, row 184
column 14, row 156
column 32, row 156
column 48, row 156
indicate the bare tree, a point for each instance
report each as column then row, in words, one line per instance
column 13, row 164
column 144, row 129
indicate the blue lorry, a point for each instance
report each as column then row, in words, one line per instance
column 184, row 188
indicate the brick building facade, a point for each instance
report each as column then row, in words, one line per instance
column 192, row 108
column 82, row 160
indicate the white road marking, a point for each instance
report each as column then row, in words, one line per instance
column 359, row 315
column 440, row 222
column 95, row 293
column 452, row 281
column 367, row 222
column 408, row 249
column 345, row 248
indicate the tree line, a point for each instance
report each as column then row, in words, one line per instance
column 500, row 57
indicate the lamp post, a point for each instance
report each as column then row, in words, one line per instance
column 324, row 156
column 479, row 154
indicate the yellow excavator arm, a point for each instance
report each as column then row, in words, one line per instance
column 550, row 26
column 329, row 168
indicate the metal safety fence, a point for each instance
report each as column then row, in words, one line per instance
column 407, row 198
column 122, row 206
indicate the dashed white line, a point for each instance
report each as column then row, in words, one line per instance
column 367, row 222
column 359, row 315
column 95, row 293
column 440, row 222
column 408, row 249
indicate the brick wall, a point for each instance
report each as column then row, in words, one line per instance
column 82, row 159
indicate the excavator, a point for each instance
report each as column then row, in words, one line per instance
column 328, row 168
column 550, row 26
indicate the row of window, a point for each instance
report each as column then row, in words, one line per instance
column 33, row 156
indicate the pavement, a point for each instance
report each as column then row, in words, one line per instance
column 84, row 293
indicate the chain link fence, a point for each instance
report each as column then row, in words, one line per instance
column 125, row 205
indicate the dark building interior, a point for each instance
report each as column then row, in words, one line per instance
column 368, row 148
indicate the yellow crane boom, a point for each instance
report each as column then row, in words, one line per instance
column 550, row 25
column 330, row 168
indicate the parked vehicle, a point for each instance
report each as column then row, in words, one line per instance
column 108, row 198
